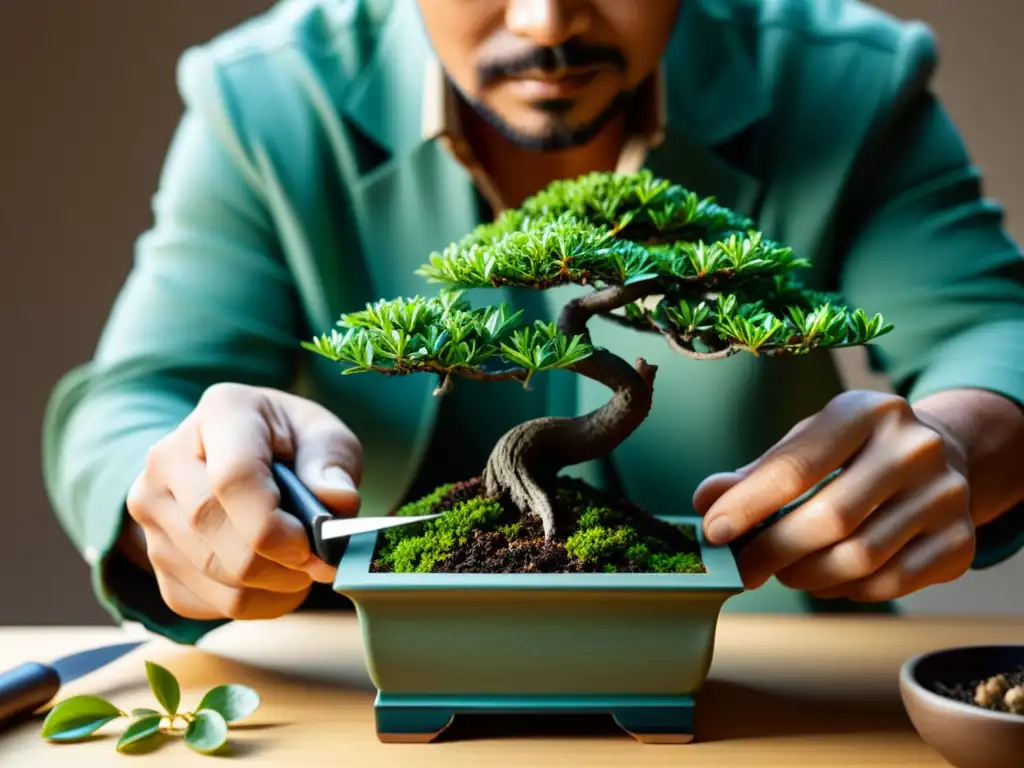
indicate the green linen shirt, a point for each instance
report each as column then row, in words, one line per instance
column 299, row 186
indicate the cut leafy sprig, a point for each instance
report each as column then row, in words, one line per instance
column 205, row 728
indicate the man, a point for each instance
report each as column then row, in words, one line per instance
column 329, row 146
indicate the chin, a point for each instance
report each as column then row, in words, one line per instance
column 550, row 126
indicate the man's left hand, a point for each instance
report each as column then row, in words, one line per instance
column 896, row 519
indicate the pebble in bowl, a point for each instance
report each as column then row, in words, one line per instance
column 967, row 703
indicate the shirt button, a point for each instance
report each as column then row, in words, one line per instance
column 92, row 555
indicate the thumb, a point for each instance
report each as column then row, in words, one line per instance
column 329, row 461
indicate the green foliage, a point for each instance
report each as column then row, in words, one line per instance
column 141, row 733
column 724, row 286
column 553, row 250
column 753, row 325
column 206, row 727
column 165, row 687
column 638, row 200
column 232, row 702
column 207, row 732
column 444, row 335
column 80, row 716
column 421, row 549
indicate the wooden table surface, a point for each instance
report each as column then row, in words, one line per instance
column 783, row 691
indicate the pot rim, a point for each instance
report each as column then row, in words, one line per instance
column 721, row 576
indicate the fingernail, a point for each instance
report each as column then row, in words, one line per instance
column 338, row 479
column 719, row 530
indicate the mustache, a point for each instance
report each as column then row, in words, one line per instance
column 573, row 54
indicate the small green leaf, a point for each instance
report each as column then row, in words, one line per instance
column 78, row 717
column 207, row 732
column 165, row 687
column 143, row 711
column 232, row 702
column 139, row 731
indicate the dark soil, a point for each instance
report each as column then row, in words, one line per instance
column 511, row 542
column 965, row 692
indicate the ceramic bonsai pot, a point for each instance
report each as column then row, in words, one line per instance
column 636, row 646
column 966, row 735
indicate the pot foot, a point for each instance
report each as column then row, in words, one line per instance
column 419, row 719
column 657, row 725
column 411, row 724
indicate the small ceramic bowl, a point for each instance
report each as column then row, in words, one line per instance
column 966, row 735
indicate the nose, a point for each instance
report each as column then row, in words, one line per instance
column 547, row 22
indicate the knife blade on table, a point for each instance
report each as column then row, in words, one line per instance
column 27, row 687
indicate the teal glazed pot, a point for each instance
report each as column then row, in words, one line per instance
column 636, row 646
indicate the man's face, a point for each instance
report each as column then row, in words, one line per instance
column 548, row 74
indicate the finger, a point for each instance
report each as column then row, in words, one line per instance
column 885, row 533
column 199, row 527
column 932, row 559
column 222, row 555
column 829, row 439
column 182, row 601
column 889, row 462
column 241, row 433
column 228, row 602
column 714, row 486
column 328, row 455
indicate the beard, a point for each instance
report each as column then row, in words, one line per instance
column 558, row 135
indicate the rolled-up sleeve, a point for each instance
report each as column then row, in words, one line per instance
column 208, row 299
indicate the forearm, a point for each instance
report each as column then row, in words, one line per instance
column 988, row 431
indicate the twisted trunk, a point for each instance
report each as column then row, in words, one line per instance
column 527, row 459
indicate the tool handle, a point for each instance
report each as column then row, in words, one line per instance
column 298, row 501
column 25, row 689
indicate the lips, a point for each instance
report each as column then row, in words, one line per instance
column 539, row 86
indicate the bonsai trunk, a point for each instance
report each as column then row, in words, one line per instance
column 527, row 458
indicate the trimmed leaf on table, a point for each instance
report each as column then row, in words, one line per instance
column 165, row 687
column 208, row 732
column 78, row 717
column 139, row 732
column 232, row 702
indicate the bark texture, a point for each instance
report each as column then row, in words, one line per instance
column 527, row 459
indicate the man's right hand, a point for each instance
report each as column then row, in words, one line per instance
column 208, row 507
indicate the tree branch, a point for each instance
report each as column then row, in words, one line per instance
column 527, row 459
column 572, row 320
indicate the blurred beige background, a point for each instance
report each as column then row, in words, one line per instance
column 87, row 105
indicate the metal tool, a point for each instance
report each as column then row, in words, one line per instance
column 27, row 687
column 328, row 534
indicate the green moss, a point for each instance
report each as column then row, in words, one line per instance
column 425, row 504
column 604, row 538
column 596, row 544
column 511, row 530
column 420, row 550
column 676, row 562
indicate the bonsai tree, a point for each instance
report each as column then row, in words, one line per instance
column 656, row 257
